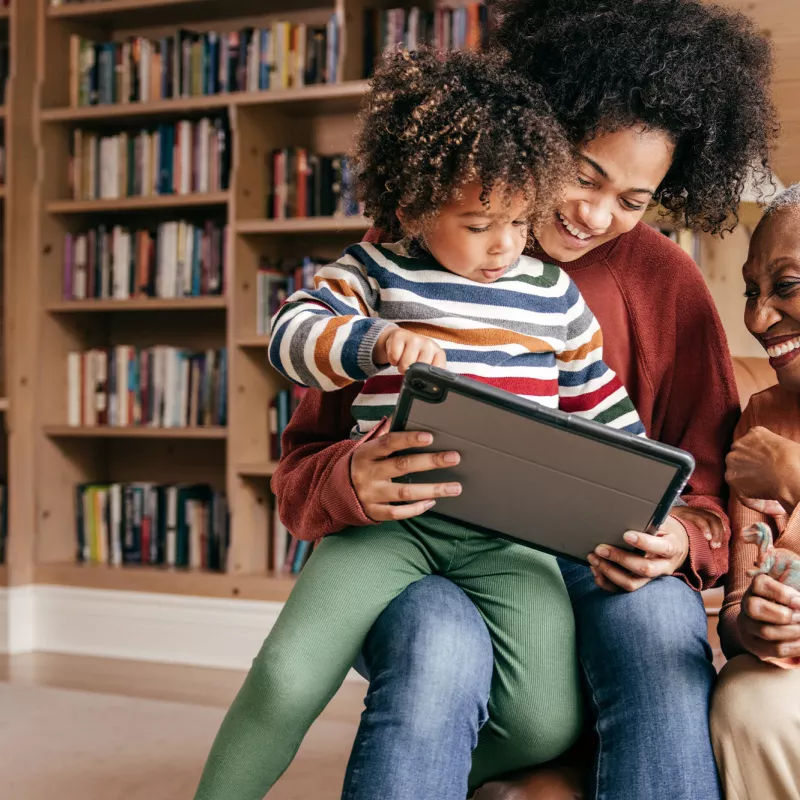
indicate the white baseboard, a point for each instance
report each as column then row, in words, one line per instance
column 179, row 629
column 17, row 621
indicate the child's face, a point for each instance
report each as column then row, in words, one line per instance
column 476, row 241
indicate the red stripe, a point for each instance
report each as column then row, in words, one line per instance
column 531, row 387
column 383, row 384
column 586, row 402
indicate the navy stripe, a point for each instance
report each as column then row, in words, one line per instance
column 475, row 293
column 496, row 358
column 358, row 329
column 583, row 376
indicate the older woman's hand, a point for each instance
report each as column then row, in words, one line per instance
column 764, row 471
column 769, row 621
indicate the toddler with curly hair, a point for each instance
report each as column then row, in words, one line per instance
column 459, row 158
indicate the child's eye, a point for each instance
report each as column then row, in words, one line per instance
column 583, row 181
column 477, row 230
column 520, row 223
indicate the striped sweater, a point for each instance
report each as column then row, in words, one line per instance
column 530, row 333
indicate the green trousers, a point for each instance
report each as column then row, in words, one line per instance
column 534, row 707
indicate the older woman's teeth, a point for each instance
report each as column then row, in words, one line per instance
column 783, row 348
column 572, row 229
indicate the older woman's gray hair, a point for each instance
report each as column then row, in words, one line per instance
column 788, row 198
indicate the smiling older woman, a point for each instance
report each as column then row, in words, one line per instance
column 756, row 709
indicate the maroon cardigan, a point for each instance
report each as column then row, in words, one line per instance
column 663, row 338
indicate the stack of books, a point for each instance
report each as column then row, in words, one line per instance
column 147, row 523
column 176, row 259
column 306, row 185
column 157, row 387
column 196, row 64
column 174, row 158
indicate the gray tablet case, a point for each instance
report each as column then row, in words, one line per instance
column 545, row 478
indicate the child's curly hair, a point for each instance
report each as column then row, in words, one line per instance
column 697, row 71
column 432, row 123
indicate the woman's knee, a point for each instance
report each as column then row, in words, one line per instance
column 435, row 632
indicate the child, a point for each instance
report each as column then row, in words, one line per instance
column 460, row 157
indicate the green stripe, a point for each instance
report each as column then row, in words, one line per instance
column 624, row 406
column 372, row 413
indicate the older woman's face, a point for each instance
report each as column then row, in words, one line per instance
column 772, row 288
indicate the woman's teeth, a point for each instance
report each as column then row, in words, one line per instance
column 783, row 348
column 572, row 229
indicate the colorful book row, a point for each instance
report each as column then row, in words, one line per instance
column 196, row 64
column 190, row 156
column 176, row 259
column 157, row 387
column 147, row 523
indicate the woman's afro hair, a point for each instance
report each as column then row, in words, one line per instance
column 697, row 71
column 432, row 123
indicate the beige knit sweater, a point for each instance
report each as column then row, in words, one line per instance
column 779, row 411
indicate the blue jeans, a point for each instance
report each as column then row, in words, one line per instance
column 429, row 662
column 648, row 671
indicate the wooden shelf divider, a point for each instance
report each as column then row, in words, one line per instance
column 263, row 470
column 134, row 432
column 163, row 580
column 176, row 201
column 209, row 303
column 303, row 225
column 318, row 94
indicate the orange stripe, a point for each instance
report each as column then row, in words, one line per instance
column 344, row 289
column 485, row 337
column 583, row 352
column 322, row 351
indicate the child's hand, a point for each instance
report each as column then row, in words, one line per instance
column 401, row 349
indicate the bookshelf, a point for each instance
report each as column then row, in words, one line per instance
column 234, row 458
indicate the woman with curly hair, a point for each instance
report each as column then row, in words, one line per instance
column 460, row 157
column 664, row 101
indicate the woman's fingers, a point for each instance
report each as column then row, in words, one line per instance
column 618, row 576
column 772, row 508
column 765, row 611
column 768, row 588
column 637, row 564
column 386, row 445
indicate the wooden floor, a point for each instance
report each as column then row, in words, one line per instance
column 172, row 682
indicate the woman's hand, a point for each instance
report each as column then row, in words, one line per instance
column 401, row 349
column 763, row 467
column 769, row 621
column 615, row 569
column 374, row 465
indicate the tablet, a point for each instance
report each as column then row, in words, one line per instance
column 542, row 477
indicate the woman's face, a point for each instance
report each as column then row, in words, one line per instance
column 772, row 288
column 618, row 174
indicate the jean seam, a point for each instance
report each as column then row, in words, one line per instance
column 599, row 751
column 356, row 759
